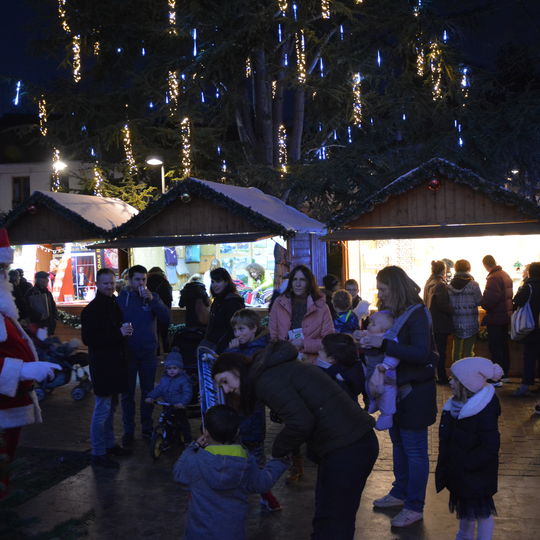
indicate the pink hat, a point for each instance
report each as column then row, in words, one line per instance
column 474, row 371
column 6, row 252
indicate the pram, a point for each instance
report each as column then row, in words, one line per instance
column 72, row 362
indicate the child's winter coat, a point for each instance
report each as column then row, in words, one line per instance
column 173, row 390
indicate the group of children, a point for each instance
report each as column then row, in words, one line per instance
column 220, row 473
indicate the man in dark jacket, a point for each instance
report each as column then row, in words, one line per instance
column 105, row 335
column 39, row 305
column 497, row 301
column 142, row 309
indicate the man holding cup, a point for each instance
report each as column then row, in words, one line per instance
column 106, row 337
column 142, row 308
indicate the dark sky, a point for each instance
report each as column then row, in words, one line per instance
column 501, row 22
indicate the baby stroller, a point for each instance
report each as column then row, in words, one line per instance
column 72, row 363
column 168, row 431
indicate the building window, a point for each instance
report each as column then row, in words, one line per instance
column 21, row 190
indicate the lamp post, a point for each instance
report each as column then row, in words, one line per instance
column 155, row 161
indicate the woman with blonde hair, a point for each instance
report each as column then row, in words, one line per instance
column 416, row 407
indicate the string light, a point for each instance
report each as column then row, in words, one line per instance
column 295, row 11
column 194, row 36
column 420, row 61
column 321, row 66
column 56, row 186
column 174, row 90
column 379, row 59
column 282, row 148
column 357, row 99
column 172, row 17
column 17, row 97
column 435, row 54
column 128, row 150
column 274, row 89
column 417, row 8
column 62, row 15
column 465, row 83
column 349, row 134
column 301, row 56
column 185, row 133
column 97, row 48
column 248, row 67
column 358, row 1
column 341, row 32
column 325, row 9
column 76, row 47
column 98, row 181
column 279, row 33
column 283, row 5
column 42, row 114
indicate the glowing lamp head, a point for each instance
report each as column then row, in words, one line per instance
column 59, row 166
column 154, row 160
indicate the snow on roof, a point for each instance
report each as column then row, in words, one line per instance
column 267, row 206
column 104, row 212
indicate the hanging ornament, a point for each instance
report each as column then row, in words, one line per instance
column 76, row 48
column 62, row 15
column 185, row 133
column 300, row 56
column 42, row 114
column 325, row 9
column 357, row 99
column 172, row 17
column 282, row 149
column 173, row 92
column 128, row 150
column 434, row 184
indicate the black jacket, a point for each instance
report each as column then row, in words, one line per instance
column 468, row 460
column 521, row 299
column 438, row 302
column 219, row 331
column 418, row 358
column 193, row 291
column 40, row 308
column 157, row 283
column 100, row 324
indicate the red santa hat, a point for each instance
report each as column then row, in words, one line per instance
column 6, row 252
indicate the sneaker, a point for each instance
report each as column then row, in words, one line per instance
column 537, row 408
column 119, row 451
column 406, row 517
column 104, row 461
column 127, row 440
column 388, row 501
column 269, row 502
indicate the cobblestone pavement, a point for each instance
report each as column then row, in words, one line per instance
column 141, row 501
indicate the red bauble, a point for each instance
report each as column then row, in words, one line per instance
column 434, row 185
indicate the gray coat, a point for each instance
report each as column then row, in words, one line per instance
column 219, row 486
column 465, row 297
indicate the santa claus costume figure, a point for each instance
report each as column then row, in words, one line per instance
column 19, row 369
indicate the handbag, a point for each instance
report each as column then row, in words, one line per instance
column 522, row 322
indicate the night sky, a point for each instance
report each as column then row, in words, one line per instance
column 507, row 21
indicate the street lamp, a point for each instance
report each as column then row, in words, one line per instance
column 157, row 161
column 59, row 166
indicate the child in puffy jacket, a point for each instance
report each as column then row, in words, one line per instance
column 469, row 442
column 175, row 388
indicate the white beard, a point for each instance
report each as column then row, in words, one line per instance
column 7, row 302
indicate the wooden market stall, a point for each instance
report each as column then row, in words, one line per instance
column 438, row 210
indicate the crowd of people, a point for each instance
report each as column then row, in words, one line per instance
column 322, row 367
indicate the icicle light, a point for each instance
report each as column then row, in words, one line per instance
column 42, row 114
column 194, row 37
column 62, row 15
column 56, row 170
column 436, row 70
column 185, row 133
column 357, row 99
column 172, row 17
column 249, row 71
column 282, row 148
column 173, row 92
column 98, row 181
column 301, row 57
column 325, row 9
column 76, row 48
column 128, row 150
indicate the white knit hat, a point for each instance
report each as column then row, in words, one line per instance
column 6, row 252
column 473, row 372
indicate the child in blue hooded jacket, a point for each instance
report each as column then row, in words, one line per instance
column 220, row 475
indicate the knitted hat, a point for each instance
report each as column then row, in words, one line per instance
column 473, row 372
column 6, row 252
column 174, row 358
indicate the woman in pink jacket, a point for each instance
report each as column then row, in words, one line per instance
column 300, row 314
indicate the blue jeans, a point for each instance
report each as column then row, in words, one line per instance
column 101, row 428
column 411, row 466
column 142, row 363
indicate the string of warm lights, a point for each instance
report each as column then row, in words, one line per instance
column 128, row 150
column 435, row 54
column 62, row 15
column 56, row 186
column 185, row 133
column 301, row 56
column 420, row 61
column 282, row 148
column 357, row 99
column 325, row 9
column 98, row 181
column 42, row 114
column 174, row 91
column 97, row 48
column 249, row 71
column 76, row 48
column 283, row 5
column 274, row 89
column 172, row 17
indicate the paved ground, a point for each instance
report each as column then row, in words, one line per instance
column 141, row 501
